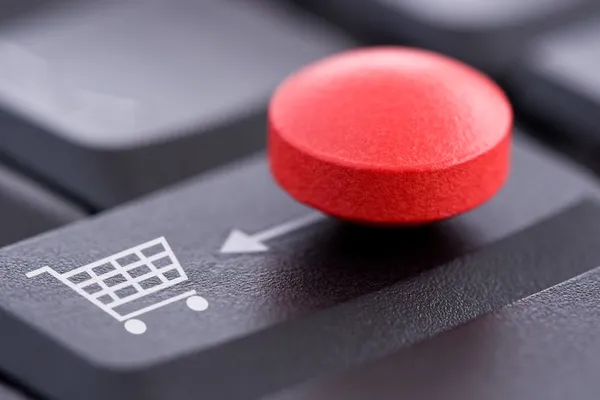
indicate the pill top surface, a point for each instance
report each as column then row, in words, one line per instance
column 410, row 125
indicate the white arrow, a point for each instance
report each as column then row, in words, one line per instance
column 241, row 242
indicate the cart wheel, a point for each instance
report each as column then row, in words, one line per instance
column 135, row 326
column 197, row 303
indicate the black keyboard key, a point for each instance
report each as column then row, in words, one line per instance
column 543, row 347
column 290, row 296
column 488, row 34
column 10, row 9
column 8, row 393
column 111, row 100
column 558, row 84
column 27, row 209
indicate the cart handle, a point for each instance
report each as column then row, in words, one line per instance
column 40, row 271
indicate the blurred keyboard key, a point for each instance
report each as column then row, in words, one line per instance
column 558, row 83
column 114, row 99
column 543, row 347
column 8, row 393
column 10, row 9
column 27, row 209
column 486, row 33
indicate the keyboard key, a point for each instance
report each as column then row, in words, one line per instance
column 487, row 34
column 8, row 393
column 27, row 209
column 14, row 8
column 543, row 347
column 559, row 83
column 112, row 100
column 202, row 289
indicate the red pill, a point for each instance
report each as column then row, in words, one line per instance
column 390, row 135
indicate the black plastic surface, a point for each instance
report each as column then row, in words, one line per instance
column 558, row 84
column 111, row 100
column 324, row 297
column 489, row 34
column 7, row 393
column 27, row 209
column 543, row 347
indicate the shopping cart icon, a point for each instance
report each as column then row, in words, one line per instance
column 127, row 276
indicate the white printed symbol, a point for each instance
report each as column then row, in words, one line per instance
column 239, row 242
column 127, row 276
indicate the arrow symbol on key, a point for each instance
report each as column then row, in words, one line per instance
column 240, row 242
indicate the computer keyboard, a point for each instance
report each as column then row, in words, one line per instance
column 148, row 253
column 82, row 83
column 315, row 299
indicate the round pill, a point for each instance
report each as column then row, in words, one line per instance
column 390, row 135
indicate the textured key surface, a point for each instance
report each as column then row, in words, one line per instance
column 320, row 297
column 488, row 34
column 27, row 209
column 559, row 82
column 544, row 347
column 138, row 94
